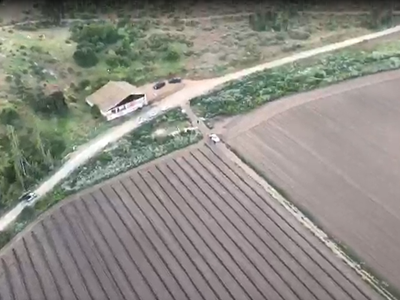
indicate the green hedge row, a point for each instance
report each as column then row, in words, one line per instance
column 259, row 88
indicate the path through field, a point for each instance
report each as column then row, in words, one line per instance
column 193, row 89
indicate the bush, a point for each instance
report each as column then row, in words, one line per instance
column 299, row 34
column 172, row 55
column 266, row 21
column 53, row 104
column 85, row 57
column 83, row 84
column 95, row 111
column 9, row 116
column 115, row 61
column 106, row 33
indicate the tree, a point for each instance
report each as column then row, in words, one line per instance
column 106, row 33
column 53, row 104
column 85, row 57
column 54, row 10
column 20, row 162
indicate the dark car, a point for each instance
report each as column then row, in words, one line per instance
column 159, row 85
column 28, row 197
column 175, row 80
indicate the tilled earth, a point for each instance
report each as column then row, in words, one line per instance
column 193, row 226
column 337, row 157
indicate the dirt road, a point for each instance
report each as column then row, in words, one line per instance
column 191, row 90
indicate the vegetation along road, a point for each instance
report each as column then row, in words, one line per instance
column 192, row 89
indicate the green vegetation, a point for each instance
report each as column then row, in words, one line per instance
column 43, row 114
column 130, row 48
column 26, row 216
column 141, row 146
column 159, row 137
column 257, row 89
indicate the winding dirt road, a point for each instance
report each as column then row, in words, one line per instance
column 191, row 90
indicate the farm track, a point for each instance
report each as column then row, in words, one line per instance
column 193, row 226
column 336, row 158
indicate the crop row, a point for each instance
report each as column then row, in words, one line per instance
column 191, row 227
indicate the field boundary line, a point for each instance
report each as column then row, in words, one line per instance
column 304, row 220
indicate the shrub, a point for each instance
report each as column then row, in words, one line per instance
column 172, row 55
column 106, row 33
column 95, row 111
column 9, row 116
column 54, row 103
column 85, row 57
column 83, row 84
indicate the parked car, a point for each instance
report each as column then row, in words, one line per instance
column 28, row 197
column 175, row 80
column 213, row 137
column 159, row 85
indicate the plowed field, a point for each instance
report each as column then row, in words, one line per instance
column 339, row 159
column 193, row 226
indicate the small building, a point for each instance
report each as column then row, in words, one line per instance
column 117, row 98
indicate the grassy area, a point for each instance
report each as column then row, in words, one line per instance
column 159, row 137
column 257, row 89
column 150, row 141
column 47, row 73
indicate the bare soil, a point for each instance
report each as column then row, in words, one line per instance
column 334, row 152
column 193, row 226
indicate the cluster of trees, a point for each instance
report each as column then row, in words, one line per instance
column 103, row 41
column 45, row 104
column 271, row 20
column 91, row 40
column 27, row 154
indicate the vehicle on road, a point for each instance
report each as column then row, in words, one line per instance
column 175, row 80
column 28, row 197
column 159, row 85
column 214, row 138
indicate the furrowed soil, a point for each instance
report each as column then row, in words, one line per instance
column 192, row 226
column 334, row 152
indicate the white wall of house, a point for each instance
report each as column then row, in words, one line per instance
column 127, row 108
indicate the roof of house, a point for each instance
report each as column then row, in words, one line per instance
column 111, row 94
